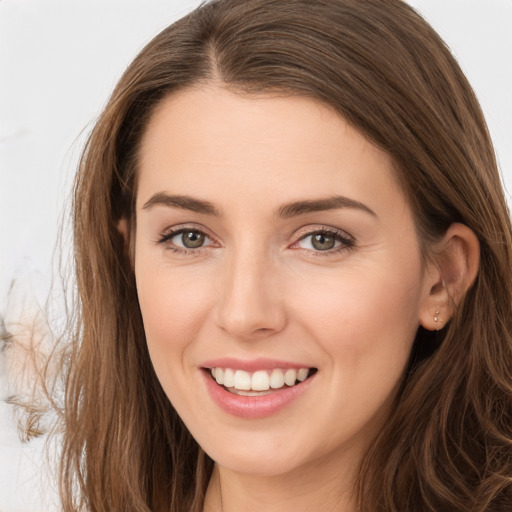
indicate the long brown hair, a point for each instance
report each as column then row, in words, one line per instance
column 448, row 443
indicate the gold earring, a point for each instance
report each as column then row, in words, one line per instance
column 438, row 320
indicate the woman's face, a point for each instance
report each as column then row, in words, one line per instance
column 273, row 241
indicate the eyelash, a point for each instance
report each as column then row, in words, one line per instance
column 166, row 238
column 346, row 242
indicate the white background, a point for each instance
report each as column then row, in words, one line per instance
column 59, row 61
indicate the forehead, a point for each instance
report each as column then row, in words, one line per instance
column 208, row 140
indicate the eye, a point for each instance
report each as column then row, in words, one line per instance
column 321, row 241
column 189, row 239
column 324, row 240
column 185, row 239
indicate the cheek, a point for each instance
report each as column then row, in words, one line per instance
column 173, row 310
column 366, row 329
column 365, row 324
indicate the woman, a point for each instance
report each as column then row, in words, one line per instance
column 293, row 262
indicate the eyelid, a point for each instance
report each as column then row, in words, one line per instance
column 347, row 240
column 321, row 228
column 169, row 233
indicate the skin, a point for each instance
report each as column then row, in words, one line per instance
column 259, row 288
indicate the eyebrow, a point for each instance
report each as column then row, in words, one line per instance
column 184, row 202
column 288, row 210
column 330, row 203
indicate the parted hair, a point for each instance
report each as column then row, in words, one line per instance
column 447, row 444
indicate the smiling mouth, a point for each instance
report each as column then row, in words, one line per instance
column 261, row 382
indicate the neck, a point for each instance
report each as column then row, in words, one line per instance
column 316, row 487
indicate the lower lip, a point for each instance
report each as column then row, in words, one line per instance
column 253, row 407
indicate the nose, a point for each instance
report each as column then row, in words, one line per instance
column 251, row 303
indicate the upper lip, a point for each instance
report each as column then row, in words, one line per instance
column 252, row 365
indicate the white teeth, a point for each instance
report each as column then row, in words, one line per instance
column 301, row 374
column 290, row 377
column 242, row 380
column 259, row 381
column 229, row 378
column 248, row 393
column 277, row 379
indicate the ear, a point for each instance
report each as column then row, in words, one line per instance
column 449, row 275
column 126, row 231
column 122, row 227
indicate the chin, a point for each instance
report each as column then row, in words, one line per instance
column 262, row 454
column 260, row 465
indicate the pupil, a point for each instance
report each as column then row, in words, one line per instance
column 192, row 239
column 323, row 242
